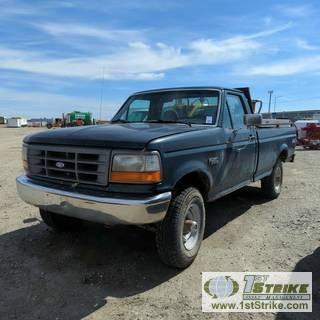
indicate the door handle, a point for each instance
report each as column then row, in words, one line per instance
column 242, row 148
column 250, row 139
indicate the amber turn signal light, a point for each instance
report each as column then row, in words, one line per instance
column 136, row 177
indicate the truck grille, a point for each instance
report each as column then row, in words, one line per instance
column 78, row 165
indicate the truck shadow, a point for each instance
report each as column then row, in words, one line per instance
column 310, row 263
column 228, row 208
column 50, row 275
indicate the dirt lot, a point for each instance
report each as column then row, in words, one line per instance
column 116, row 274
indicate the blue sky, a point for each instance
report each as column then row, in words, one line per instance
column 53, row 53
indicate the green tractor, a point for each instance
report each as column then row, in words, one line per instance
column 72, row 119
column 77, row 118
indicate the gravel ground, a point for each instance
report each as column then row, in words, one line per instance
column 116, row 274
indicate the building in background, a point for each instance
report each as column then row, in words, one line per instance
column 3, row 120
column 16, row 122
column 294, row 115
column 39, row 122
column 316, row 116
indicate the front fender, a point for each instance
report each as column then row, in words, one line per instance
column 189, row 167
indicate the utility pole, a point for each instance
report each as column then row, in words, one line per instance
column 101, row 94
column 275, row 102
column 270, row 95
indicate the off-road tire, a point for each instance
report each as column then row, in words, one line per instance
column 270, row 185
column 59, row 222
column 169, row 240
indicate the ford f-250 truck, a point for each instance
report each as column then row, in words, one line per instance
column 166, row 153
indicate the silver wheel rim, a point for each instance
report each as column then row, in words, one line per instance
column 278, row 179
column 191, row 226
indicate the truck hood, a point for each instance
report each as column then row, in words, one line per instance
column 126, row 135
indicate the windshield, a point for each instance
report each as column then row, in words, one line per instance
column 190, row 106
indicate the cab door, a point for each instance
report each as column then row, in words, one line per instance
column 240, row 144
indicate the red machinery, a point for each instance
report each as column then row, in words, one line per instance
column 310, row 136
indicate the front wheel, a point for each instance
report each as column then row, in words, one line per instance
column 180, row 234
column 271, row 186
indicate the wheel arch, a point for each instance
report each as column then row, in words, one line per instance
column 284, row 152
column 196, row 178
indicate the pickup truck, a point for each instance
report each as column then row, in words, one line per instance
column 164, row 155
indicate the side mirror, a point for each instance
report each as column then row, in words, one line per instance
column 254, row 104
column 252, row 119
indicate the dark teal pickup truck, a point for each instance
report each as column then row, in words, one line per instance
column 165, row 154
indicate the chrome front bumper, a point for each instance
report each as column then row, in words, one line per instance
column 106, row 210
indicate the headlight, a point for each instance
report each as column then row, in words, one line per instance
column 25, row 157
column 136, row 168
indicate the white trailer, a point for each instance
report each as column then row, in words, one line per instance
column 16, row 122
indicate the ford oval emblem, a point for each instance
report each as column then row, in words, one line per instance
column 59, row 164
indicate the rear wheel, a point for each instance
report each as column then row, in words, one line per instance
column 180, row 234
column 59, row 222
column 271, row 186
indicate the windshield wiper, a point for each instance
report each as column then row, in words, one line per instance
column 151, row 121
column 168, row 121
column 119, row 121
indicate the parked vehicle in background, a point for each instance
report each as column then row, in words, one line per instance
column 301, row 125
column 77, row 118
column 165, row 154
column 55, row 123
column 309, row 136
column 72, row 119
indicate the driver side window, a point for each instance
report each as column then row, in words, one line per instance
column 237, row 112
column 226, row 122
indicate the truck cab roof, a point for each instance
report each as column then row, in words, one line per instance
column 186, row 88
